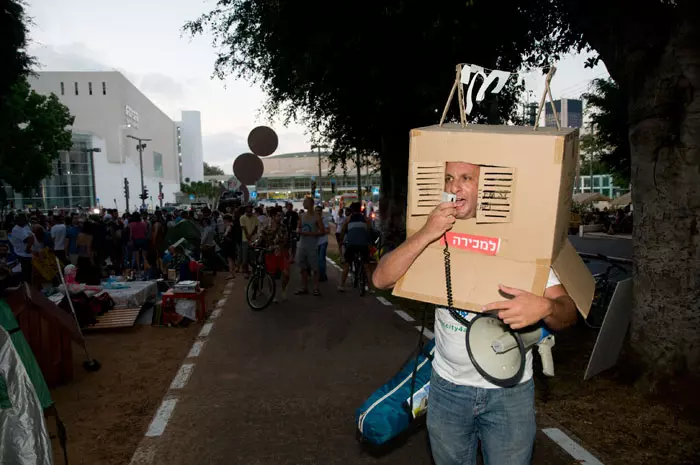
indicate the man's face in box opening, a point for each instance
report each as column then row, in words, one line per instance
column 462, row 180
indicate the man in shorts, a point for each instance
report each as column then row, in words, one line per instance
column 310, row 229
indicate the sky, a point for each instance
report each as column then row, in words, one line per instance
column 144, row 41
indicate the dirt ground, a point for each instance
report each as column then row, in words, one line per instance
column 107, row 413
column 610, row 413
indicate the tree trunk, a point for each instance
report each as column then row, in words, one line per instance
column 665, row 146
column 394, row 189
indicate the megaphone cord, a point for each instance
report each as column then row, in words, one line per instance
column 448, row 285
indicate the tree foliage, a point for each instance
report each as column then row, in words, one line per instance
column 16, row 63
column 200, row 189
column 609, row 140
column 34, row 128
column 381, row 67
column 212, row 170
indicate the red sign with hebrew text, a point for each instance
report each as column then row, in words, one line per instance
column 479, row 244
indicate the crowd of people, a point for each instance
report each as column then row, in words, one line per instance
column 103, row 243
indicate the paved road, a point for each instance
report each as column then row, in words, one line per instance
column 281, row 386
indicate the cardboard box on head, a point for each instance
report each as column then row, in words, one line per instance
column 512, row 189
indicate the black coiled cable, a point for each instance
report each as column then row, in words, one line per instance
column 448, row 285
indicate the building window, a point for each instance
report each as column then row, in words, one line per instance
column 158, row 164
column 63, row 89
column 76, row 88
column 90, row 88
column 104, row 88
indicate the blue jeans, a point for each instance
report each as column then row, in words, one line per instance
column 502, row 419
column 322, row 261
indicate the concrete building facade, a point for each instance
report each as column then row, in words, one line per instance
column 107, row 109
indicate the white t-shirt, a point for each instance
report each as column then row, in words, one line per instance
column 18, row 237
column 58, row 234
column 452, row 362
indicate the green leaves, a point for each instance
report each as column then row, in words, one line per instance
column 212, row 170
column 33, row 130
column 374, row 68
column 609, row 141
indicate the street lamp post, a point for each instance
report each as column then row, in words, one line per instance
column 320, row 174
column 140, row 146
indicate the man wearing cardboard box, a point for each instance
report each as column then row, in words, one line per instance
column 464, row 407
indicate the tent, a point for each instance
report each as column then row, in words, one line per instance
column 187, row 230
column 586, row 198
column 622, row 201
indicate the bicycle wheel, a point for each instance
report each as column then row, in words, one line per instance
column 362, row 279
column 260, row 291
column 355, row 275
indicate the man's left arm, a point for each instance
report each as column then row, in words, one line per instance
column 555, row 309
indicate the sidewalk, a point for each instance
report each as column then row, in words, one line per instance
column 281, row 386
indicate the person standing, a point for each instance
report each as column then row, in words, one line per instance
column 310, row 229
column 138, row 239
column 58, row 236
column 323, row 245
column 22, row 240
column 340, row 218
column 229, row 245
column 466, row 408
column 250, row 225
column 291, row 221
column 72, row 231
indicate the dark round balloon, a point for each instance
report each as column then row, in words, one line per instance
column 248, row 168
column 263, row 141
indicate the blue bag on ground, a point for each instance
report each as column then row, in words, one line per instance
column 385, row 414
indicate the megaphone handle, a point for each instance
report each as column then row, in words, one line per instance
column 545, row 350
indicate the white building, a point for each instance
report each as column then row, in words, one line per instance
column 189, row 132
column 107, row 109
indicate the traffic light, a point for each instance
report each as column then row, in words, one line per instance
column 333, row 186
column 144, row 194
column 126, row 187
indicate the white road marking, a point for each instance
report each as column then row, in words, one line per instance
column 196, row 349
column 334, row 264
column 160, row 420
column 221, row 303
column 206, row 329
column 182, row 376
column 404, row 315
column 426, row 332
column 215, row 314
column 579, row 454
column 384, row 301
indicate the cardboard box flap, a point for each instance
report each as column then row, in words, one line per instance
column 575, row 277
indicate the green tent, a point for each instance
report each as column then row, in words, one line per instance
column 184, row 230
column 8, row 321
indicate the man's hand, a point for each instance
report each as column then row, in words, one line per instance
column 439, row 222
column 523, row 310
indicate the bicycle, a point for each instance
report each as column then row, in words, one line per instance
column 260, row 283
column 604, row 288
column 359, row 277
